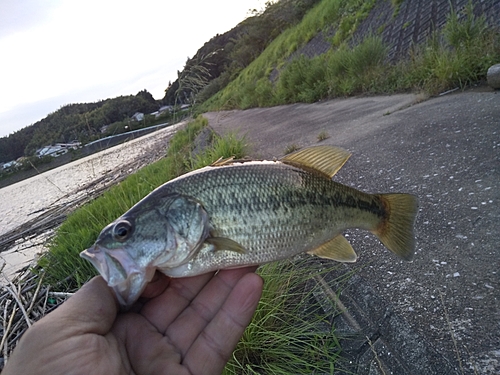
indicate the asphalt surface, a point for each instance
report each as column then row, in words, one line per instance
column 439, row 314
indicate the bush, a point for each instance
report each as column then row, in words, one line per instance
column 464, row 33
column 458, row 57
column 361, row 69
column 222, row 147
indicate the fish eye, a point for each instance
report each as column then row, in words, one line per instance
column 122, row 230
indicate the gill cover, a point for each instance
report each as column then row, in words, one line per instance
column 161, row 231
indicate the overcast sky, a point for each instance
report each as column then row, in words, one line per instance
column 57, row 52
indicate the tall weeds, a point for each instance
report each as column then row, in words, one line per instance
column 345, row 71
column 289, row 333
column 457, row 56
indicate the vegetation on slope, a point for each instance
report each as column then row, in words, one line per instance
column 456, row 56
column 223, row 57
column 253, row 87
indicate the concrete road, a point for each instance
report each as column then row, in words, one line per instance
column 441, row 313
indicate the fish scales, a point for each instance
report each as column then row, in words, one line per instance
column 273, row 212
column 234, row 214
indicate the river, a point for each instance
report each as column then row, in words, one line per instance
column 23, row 201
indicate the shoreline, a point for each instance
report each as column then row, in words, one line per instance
column 52, row 195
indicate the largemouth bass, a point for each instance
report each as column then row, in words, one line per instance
column 238, row 213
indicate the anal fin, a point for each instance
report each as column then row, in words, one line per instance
column 338, row 249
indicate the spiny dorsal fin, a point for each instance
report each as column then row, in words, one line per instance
column 221, row 161
column 338, row 249
column 324, row 159
column 222, row 243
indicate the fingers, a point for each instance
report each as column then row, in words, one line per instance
column 213, row 347
column 156, row 286
column 165, row 308
column 92, row 309
column 204, row 307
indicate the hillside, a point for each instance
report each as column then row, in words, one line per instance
column 82, row 122
column 349, row 47
column 303, row 51
column 223, row 57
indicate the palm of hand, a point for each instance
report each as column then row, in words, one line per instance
column 185, row 326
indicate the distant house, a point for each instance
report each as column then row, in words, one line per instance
column 9, row 165
column 138, row 116
column 50, row 150
column 58, row 149
column 162, row 110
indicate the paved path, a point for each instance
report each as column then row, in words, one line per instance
column 441, row 313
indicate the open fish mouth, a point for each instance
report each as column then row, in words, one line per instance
column 120, row 271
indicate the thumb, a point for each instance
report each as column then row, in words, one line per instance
column 92, row 309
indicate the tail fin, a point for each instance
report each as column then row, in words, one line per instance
column 396, row 230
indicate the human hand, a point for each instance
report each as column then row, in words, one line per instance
column 181, row 326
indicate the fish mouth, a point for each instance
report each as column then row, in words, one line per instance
column 120, row 271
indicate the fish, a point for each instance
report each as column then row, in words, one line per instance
column 237, row 213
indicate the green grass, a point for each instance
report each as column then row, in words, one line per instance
column 253, row 88
column 291, row 148
column 228, row 146
column 289, row 333
column 322, row 136
column 341, row 72
column 457, row 56
column 82, row 227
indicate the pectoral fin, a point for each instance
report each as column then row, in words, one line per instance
column 221, row 243
column 338, row 249
column 326, row 160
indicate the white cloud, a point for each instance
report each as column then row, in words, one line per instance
column 102, row 48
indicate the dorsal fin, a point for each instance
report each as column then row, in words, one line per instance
column 324, row 159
